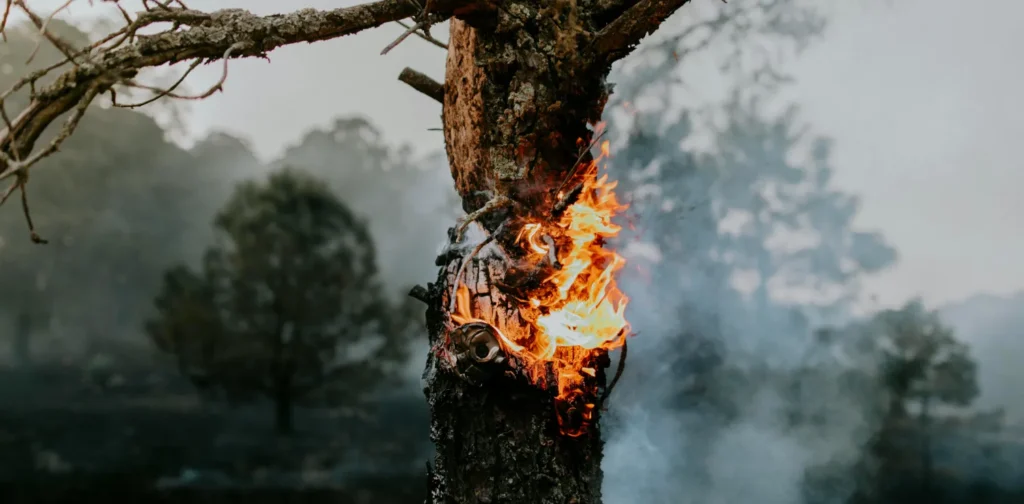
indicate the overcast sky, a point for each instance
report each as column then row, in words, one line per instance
column 920, row 95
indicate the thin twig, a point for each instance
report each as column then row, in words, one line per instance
column 576, row 165
column 424, row 36
column 3, row 22
column 402, row 37
column 169, row 92
column 493, row 204
column 28, row 218
column 44, row 32
column 166, row 92
column 618, row 374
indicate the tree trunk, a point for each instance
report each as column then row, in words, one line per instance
column 525, row 86
column 283, row 412
column 500, row 441
column 518, row 100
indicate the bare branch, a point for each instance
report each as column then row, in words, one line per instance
column 160, row 93
column 3, row 22
column 619, row 38
column 420, row 82
column 425, row 36
column 210, row 36
column 43, row 25
column 408, row 31
column 420, row 293
column 194, row 36
column 219, row 86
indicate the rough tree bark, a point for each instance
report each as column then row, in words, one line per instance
column 520, row 90
column 524, row 80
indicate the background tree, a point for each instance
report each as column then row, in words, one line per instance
column 121, row 205
column 408, row 201
column 287, row 304
column 904, row 358
column 924, row 361
column 742, row 240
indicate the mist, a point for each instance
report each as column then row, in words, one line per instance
column 880, row 140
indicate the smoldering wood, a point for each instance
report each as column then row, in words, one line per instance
column 519, row 97
column 420, row 293
column 498, row 441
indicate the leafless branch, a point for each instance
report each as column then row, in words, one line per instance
column 620, row 36
column 219, row 86
column 420, row 293
column 43, row 25
column 423, row 35
column 420, row 82
column 194, row 36
column 3, row 22
column 408, row 31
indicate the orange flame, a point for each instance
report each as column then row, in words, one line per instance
column 578, row 309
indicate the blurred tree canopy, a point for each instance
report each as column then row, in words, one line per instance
column 117, row 207
column 746, row 241
column 408, row 201
column 923, row 360
column 287, row 305
column 123, row 203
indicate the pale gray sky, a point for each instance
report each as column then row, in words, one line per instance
column 920, row 95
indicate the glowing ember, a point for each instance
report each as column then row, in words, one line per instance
column 578, row 309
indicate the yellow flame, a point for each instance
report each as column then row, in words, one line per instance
column 578, row 308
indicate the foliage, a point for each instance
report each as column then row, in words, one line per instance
column 117, row 207
column 287, row 304
column 410, row 202
column 923, row 358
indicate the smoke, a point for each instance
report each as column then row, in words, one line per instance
column 727, row 396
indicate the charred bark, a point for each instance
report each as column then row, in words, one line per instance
column 524, row 90
column 521, row 95
column 499, row 439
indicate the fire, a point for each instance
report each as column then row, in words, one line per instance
column 578, row 309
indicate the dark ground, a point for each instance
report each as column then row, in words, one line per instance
column 63, row 439
column 66, row 438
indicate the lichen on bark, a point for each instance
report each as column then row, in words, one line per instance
column 519, row 107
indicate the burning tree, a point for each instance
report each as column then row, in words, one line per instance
column 525, row 307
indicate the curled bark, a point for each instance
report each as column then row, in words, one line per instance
column 498, row 437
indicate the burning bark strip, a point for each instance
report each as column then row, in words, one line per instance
column 557, row 324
